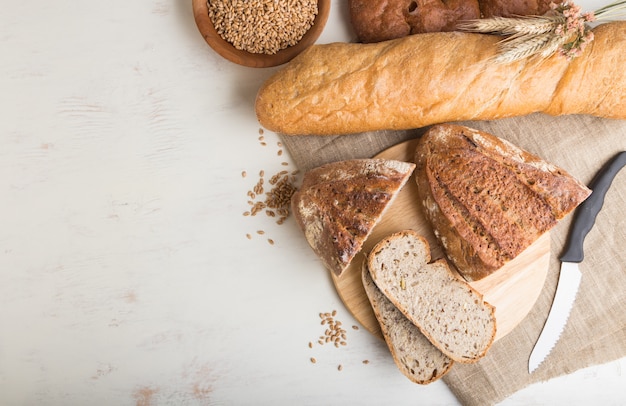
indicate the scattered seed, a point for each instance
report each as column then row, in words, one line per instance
column 355, row 327
column 339, row 367
column 313, row 360
column 310, row 344
column 260, row 232
column 248, row 236
column 261, row 131
column 270, row 241
column 243, row 174
column 365, row 361
column 284, row 163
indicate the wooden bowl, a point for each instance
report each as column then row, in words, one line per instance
column 228, row 51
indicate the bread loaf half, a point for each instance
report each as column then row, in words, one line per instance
column 432, row 78
column 338, row 205
column 446, row 309
column 416, row 357
column 487, row 199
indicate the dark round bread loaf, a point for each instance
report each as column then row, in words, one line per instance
column 380, row 20
column 513, row 8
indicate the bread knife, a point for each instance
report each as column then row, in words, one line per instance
column 573, row 254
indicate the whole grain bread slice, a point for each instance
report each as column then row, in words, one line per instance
column 339, row 204
column 446, row 309
column 414, row 355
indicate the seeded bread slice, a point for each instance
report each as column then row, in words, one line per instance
column 339, row 204
column 447, row 310
column 415, row 356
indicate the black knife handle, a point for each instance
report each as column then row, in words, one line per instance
column 586, row 213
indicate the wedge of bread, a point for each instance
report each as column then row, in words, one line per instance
column 338, row 205
column 414, row 355
column 487, row 199
column 446, row 309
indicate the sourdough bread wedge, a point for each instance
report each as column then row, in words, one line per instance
column 414, row 355
column 487, row 199
column 338, row 205
column 446, row 309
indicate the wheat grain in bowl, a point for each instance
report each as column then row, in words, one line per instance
column 262, row 26
column 260, row 33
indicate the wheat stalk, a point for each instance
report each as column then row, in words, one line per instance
column 532, row 25
column 521, row 47
column 563, row 29
column 613, row 10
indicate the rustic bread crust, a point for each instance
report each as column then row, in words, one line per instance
column 338, row 205
column 433, row 78
column 414, row 355
column 487, row 199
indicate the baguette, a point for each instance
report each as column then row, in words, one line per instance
column 432, row 78
column 487, row 199
column 416, row 357
column 446, row 309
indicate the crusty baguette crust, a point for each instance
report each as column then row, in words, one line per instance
column 415, row 356
column 339, row 204
column 486, row 199
column 447, row 315
column 432, row 78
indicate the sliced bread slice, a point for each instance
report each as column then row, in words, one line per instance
column 339, row 204
column 414, row 355
column 447, row 310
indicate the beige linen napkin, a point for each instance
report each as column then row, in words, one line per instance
column 596, row 331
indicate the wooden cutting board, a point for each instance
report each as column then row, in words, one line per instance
column 513, row 289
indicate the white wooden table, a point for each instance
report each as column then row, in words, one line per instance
column 126, row 276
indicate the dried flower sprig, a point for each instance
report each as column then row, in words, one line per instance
column 564, row 29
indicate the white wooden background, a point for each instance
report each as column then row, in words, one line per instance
column 125, row 273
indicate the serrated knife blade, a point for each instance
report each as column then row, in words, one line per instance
column 570, row 276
